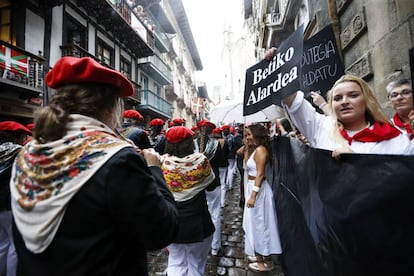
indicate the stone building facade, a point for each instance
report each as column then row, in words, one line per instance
column 374, row 35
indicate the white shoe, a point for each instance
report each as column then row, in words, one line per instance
column 251, row 259
column 267, row 266
column 214, row 252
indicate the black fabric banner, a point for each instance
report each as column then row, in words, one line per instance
column 321, row 63
column 348, row 217
column 268, row 82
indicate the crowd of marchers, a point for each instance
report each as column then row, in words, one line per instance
column 87, row 190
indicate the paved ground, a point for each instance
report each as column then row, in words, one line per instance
column 232, row 261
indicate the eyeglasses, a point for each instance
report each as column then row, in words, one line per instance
column 404, row 93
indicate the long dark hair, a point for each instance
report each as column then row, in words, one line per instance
column 262, row 138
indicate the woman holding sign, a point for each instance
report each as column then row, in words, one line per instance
column 358, row 123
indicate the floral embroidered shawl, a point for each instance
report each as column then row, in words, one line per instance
column 46, row 176
column 187, row 176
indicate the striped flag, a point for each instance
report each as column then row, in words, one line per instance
column 197, row 105
column 13, row 60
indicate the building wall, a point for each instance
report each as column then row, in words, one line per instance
column 374, row 36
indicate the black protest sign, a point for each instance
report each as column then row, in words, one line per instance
column 321, row 62
column 268, row 82
column 411, row 53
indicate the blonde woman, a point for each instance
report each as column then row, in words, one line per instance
column 357, row 123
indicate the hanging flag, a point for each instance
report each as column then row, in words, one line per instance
column 13, row 60
column 197, row 105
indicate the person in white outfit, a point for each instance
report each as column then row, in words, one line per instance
column 222, row 170
column 357, row 123
column 211, row 148
column 259, row 219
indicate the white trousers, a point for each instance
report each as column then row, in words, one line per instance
column 213, row 201
column 188, row 259
column 8, row 256
column 224, row 188
column 230, row 172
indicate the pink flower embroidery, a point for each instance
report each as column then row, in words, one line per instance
column 174, row 184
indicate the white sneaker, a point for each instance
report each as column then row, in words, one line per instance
column 214, row 252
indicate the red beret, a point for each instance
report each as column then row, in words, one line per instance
column 205, row 123
column 177, row 134
column 68, row 70
column 178, row 121
column 30, row 126
column 217, row 130
column 13, row 126
column 133, row 114
column 171, row 124
column 225, row 127
column 157, row 122
column 194, row 128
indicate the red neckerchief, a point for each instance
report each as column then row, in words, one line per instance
column 380, row 132
column 406, row 126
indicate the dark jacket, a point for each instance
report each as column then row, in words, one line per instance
column 124, row 210
column 194, row 220
column 219, row 160
column 6, row 163
column 138, row 136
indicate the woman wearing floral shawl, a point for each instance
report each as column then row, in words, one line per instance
column 73, row 215
column 188, row 174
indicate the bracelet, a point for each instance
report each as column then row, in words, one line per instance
column 322, row 105
column 256, row 189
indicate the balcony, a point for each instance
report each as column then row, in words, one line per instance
column 154, row 105
column 75, row 50
column 23, row 72
column 117, row 17
column 156, row 68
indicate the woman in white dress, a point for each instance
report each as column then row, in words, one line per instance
column 259, row 219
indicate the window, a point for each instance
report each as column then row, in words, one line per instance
column 74, row 38
column 105, row 53
column 6, row 33
column 125, row 67
column 144, row 81
column 74, row 32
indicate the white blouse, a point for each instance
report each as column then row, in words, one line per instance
column 319, row 129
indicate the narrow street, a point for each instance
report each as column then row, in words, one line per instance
column 232, row 261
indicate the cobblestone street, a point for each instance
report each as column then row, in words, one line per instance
column 232, row 260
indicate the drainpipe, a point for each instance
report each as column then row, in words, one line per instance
column 333, row 18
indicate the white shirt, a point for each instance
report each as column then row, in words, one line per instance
column 319, row 130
